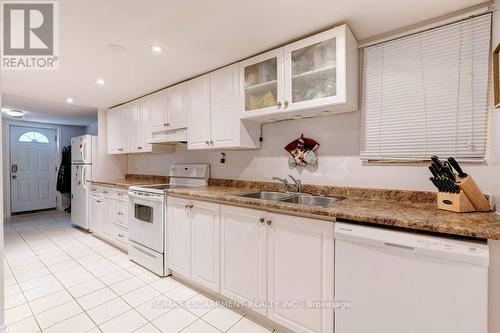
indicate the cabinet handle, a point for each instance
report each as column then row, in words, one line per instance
column 286, row 104
column 211, row 142
column 262, row 220
column 269, row 222
column 139, row 147
column 119, row 213
column 98, row 201
column 191, row 206
column 186, row 206
column 206, row 142
column 166, row 124
column 120, row 235
column 279, row 105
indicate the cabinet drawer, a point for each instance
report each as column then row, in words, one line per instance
column 120, row 214
column 106, row 191
column 120, row 235
column 94, row 189
column 120, row 194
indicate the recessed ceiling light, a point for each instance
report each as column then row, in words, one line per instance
column 116, row 48
column 13, row 113
column 156, row 49
column 69, row 100
column 100, row 82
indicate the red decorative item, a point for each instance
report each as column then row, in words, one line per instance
column 302, row 151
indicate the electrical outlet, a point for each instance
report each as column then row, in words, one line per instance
column 223, row 160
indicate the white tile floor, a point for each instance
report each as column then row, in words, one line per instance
column 61, row 279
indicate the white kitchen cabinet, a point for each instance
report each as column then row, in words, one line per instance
column 205, row 244
column 227, row 130
column 178, row 235
column 145, row 126
column 101, row 216
column 120, row 214
column 130, row 127
column 109, row 215
column 213, row 120
column 313, row 76
column 106, row 215
column 300, row 261
column 176, row 106
column 261, row 84
column 95, row 218
column 194, row 241
column 160, row 111
column 115, row 131
column 243, row 255
column 170, row 111
column 198, row 104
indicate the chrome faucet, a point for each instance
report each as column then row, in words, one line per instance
column 284, row 181
column 298, row 183
column 297, row 186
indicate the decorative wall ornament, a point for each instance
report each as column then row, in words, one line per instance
column 302, row 152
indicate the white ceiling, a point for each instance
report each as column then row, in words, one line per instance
column 52, row 112
column 197, row 36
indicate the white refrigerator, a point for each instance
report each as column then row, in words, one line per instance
column 83, row 168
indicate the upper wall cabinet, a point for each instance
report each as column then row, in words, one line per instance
column 130, row 128
column 213, row 118
column 315, row 75
column 170, row 111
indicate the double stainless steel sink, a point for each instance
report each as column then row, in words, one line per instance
column 302, row 199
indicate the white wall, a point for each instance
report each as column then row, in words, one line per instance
column 339, row 160
column 91, row 129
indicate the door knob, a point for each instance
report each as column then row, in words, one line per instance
column 14, row 176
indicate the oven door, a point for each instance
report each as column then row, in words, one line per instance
column 146, row 220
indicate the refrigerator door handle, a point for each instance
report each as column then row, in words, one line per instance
column 83, row 177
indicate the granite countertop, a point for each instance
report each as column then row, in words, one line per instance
column 130, row 180
column 422, row 215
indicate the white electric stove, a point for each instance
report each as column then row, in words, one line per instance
column 147, row 216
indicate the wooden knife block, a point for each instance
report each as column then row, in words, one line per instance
column 470, row 198
column 455, row 202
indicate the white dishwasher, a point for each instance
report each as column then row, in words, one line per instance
column 403, row 282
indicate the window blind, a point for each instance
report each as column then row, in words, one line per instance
column 427, row 93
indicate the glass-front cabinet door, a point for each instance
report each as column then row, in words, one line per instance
column 315, row 71
column 261, row 84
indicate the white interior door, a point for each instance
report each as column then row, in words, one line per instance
column 33, row 168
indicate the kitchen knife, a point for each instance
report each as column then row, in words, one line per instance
column 436, row 169
column 436, row 183
column 434, row 173
column 448, row 171
column 457, row 167
column 451, row 185
column 437, row 161
column 446, row 184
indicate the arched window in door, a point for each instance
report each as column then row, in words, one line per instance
column 33, row 137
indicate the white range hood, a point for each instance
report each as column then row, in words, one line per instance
column 169, row 137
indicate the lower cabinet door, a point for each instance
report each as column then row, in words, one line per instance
column 106, row 216
column 300, row 255
column 205, row 244
column 178, row 236
column 243, row 256
column 95, row 218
